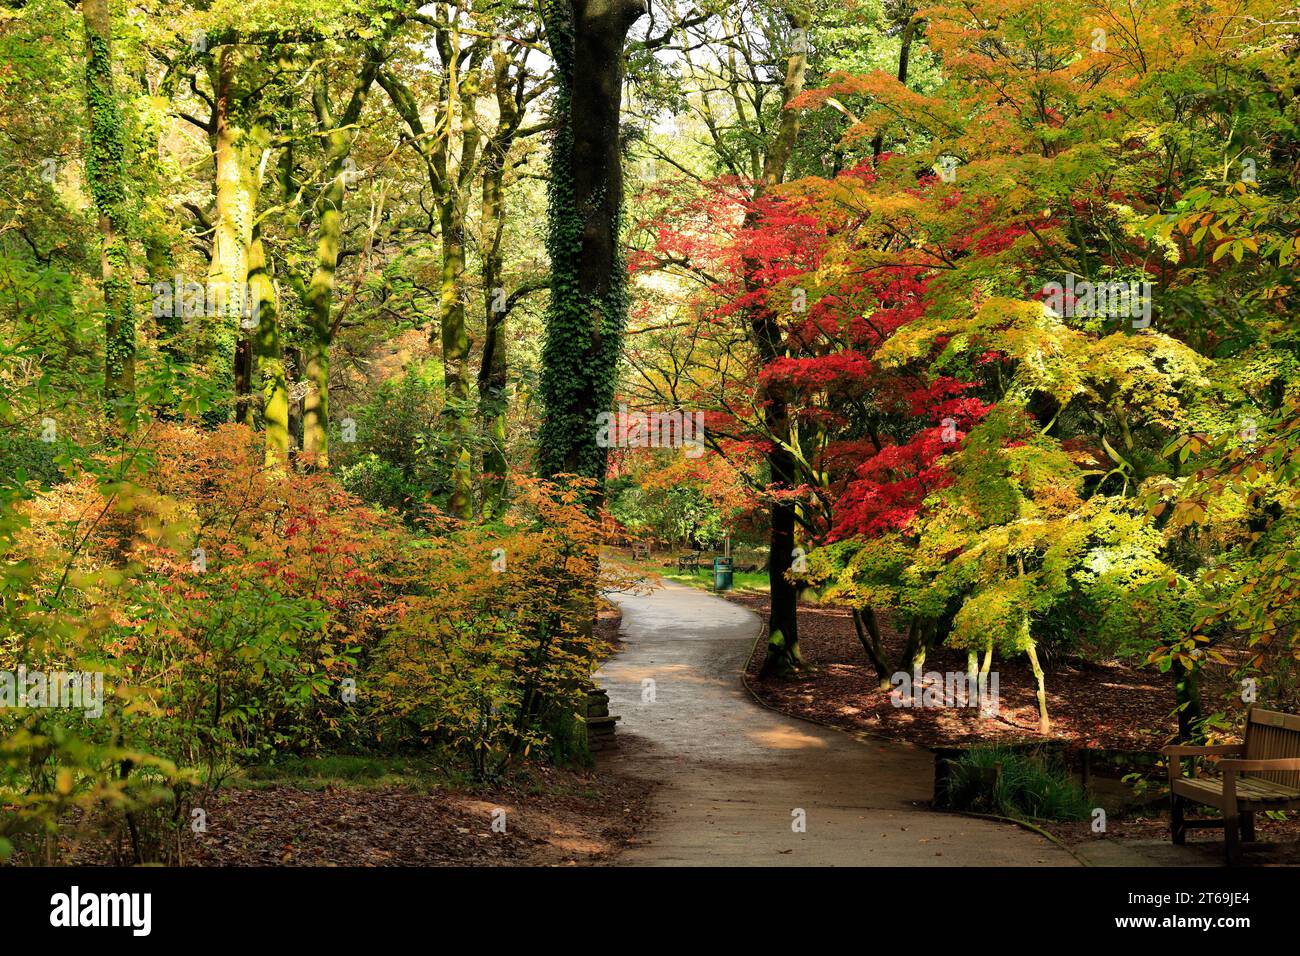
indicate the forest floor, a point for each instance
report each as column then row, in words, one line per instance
column 1097, row 705
column 337, row 811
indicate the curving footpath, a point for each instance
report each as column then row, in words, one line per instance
column 733, row 775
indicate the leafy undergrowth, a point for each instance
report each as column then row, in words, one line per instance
column 1101, row 705
column 364, row 811
column 1001, row 781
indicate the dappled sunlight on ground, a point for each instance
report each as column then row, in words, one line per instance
column 786, row 738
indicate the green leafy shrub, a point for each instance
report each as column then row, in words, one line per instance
column 378, row 481
column 399, row 438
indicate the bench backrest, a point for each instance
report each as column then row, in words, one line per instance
column 1270, row 735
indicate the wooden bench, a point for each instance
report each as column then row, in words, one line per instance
column 1266, row 777
column 640, row 551
column 689, row 562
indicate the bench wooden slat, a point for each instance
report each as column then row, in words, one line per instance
column 1270, row 736
column 1249, row 790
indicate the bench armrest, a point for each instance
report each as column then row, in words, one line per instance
column 1188, row 750
column 1231, row 768
column 1259, row 766
column 1175, row 753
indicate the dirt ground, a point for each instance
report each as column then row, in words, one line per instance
column 1099, row 705
column 584, row 820
column 559, row 818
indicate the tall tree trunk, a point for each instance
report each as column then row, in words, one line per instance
column 294, row 372
column 455, row 360
column 270, row 358
column 588, row 305
column 320, row 331
column 459, row 95
column 232, row 231
column 493, row 372
column 765, row 328
column 462, row 105
column 910, row 27
column 106, row 170
column 319, row 293
column 493, row 376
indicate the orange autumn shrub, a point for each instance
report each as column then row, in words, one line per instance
column 230, row 600
column 237, row 612
column 495, row 656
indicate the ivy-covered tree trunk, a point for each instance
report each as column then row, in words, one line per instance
column 493, row 371
column 588, row 306
column 765, row 325
column 106, row 172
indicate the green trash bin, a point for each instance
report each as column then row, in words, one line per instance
column 722, row 579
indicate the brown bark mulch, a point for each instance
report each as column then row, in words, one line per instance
column 1098, row 705
column 589, row 820
column 553, row 818
column 1277, row 842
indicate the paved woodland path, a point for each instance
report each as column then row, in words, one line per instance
column 731, row 772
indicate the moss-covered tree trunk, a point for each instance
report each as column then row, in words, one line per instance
column 457, row 411
column 318, row 296
column 1030, row 648
column 232, row 228
column 106, row 172
column 270, row 356
column 320, row 331
column 588, row 307
column 458, row 94
column 493, row 370
column 493, row 376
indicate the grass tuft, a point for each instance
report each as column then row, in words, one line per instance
column 1015, row 784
